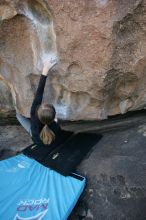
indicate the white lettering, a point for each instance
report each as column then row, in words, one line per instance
column 34, row 202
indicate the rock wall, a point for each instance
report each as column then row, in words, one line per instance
column 101, row 45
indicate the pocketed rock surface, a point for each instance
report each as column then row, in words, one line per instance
column 101, row 45
column 115, row 172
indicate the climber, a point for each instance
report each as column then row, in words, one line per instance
column 42, row 126
column 52, row 146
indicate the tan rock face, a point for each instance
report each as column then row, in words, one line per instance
column 6, row 103
column 101, row 45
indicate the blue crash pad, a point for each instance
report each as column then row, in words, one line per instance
column 30, row 191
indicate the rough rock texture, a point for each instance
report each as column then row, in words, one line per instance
column 6, row 102
column 101, row 45
column 115, row 172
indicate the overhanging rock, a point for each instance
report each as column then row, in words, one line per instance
column 101, row 46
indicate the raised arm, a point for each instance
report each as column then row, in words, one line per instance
column 48, row 64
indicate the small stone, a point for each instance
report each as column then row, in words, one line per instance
column 89, row 215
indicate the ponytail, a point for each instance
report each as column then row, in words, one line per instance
column 47, row 135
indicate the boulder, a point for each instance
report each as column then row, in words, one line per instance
column 101, row 47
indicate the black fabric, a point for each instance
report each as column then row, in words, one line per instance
column 39, row 152
column 36, row 125
column 65, row 158
column 39, row 94
column 78, row 177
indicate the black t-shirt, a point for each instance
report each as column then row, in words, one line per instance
column 36, row 125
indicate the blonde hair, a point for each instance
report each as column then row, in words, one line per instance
column 46, row 114
column 47, row 135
